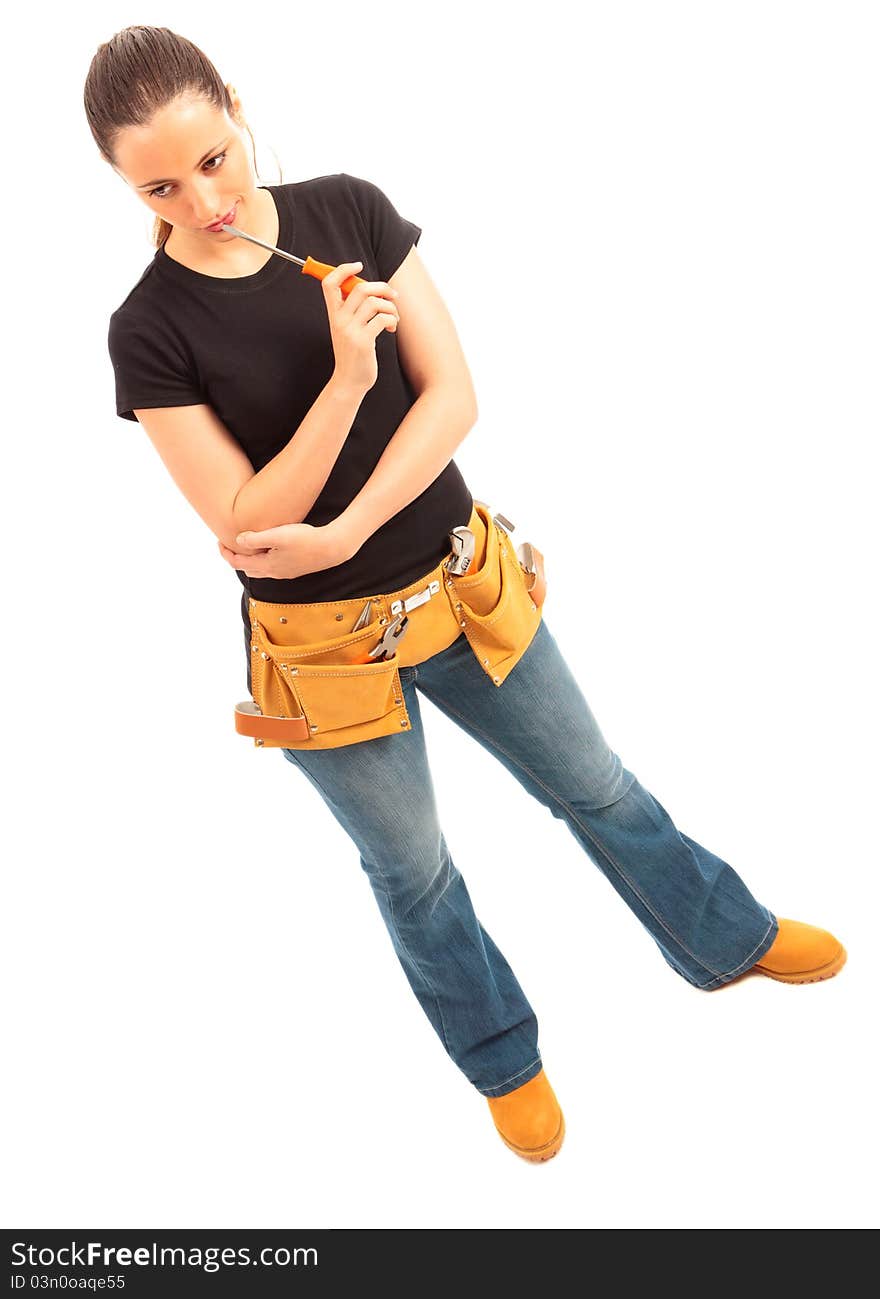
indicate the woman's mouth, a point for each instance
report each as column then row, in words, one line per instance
column 227, row 220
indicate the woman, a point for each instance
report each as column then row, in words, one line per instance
column 313, row 430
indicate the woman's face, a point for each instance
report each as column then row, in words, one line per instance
column 190, row 167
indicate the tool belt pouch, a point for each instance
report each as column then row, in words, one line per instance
column 321, row 695
column 316, row 696
column 499, row 605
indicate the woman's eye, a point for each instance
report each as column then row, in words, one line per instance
column 218, row 157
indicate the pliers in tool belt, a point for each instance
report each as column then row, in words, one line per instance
column 387, row 645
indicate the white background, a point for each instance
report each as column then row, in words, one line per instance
column 655, row 226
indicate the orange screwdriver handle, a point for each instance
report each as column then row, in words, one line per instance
column 320, row 269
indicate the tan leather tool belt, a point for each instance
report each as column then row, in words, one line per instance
column 313, row 684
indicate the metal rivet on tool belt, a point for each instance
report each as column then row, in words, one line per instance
column 255, row 648
column 382, row 622
column 259, row 741
column 282, row 619
column 265, row 655
column 339, row 617
column 462, row 623
column 313, row 728
column 404, row 722
column 485, row 663
column 458, row 604
column 497, row 680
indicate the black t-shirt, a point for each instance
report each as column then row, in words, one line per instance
column 258, row 350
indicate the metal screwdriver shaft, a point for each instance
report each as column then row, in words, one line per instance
column 309, row 267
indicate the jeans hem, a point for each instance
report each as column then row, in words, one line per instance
column 518, row 1079
column 752, row 959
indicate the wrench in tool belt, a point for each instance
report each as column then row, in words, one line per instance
column 463, row 545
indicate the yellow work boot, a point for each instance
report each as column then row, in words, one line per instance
column 529, row 1119
column 802, row 954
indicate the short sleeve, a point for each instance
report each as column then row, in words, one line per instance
column 149, row 367
column 391, row 235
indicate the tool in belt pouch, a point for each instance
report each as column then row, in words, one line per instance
column 316, row 689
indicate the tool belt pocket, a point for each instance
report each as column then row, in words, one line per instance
column 500, row 615
column 334, row 698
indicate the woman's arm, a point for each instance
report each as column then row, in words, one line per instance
column 437, row 422
column 425, row 442
column 422, row 446
column 215, row 475
column 419, row 451
column 285, row 489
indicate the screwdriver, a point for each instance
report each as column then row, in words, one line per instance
column 309, row 266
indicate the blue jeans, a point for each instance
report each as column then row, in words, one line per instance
column 539, row 725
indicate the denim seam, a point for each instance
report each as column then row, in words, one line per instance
column 416, row 964
column 519, row 1072
column 743, row 965
column 599, row 848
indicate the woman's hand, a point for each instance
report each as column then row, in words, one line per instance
column 287, row 551
column 355, row 324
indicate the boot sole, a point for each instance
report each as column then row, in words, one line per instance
column 537, row 1154
column 808, row 976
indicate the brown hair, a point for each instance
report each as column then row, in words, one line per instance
column 139, row 71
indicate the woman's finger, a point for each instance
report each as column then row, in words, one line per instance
column 333, row 281
column 245, row 563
